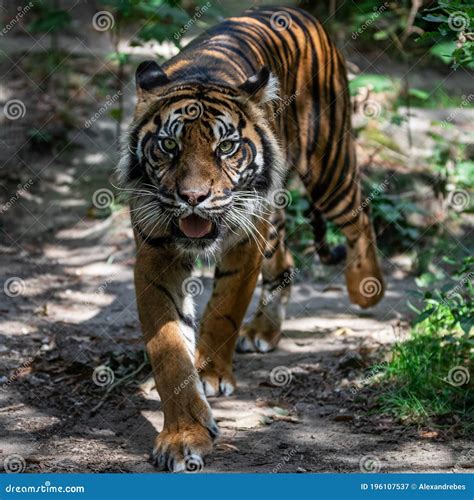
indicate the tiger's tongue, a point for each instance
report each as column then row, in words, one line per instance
column 194, row 226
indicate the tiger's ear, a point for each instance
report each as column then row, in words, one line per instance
column 148, row 77
column 261, row 87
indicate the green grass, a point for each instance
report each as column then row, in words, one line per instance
column 420, row 382
column 417, row 386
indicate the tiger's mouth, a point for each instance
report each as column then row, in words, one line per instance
column 195, row 227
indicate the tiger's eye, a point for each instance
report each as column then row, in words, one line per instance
column 226, row 146
column 169, row 145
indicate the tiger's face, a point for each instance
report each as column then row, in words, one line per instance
column 203, row 162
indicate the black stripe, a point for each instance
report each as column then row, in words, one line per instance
column 156, row 242
column 268, row 254
column 349, row 222
column 263, row 180
column 187, row 320
column 283, row 279
column 224, row 274
column 231, row 321
column 348, row 206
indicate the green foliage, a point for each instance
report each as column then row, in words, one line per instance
column 377, row 83
column 465, row 174
column 444, row 28
column 430, row 374
column 390, row 216
column 448, row 163
column 151, row 21
column 299, row 232
column 437, row 98
column 158, row 19
column 451, row 24
column 48, row 18
column 372, row 19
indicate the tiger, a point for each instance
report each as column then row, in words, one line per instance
column 217, row 132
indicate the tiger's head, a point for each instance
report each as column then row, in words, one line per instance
column 202, row 160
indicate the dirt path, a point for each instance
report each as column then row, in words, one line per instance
column 74, row 311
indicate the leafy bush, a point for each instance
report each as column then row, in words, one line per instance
column 390, row 217
column 454, row 41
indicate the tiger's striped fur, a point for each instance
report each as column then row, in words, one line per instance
column 216, row 133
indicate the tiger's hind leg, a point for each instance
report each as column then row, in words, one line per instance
column 263, row 332
column 364, row 278
column 327, row 255
column 337, row 197
column 362, row 270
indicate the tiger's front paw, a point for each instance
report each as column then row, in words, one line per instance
column 253, row 339
column 187, row 436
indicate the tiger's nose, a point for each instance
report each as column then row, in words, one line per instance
column 194, row 196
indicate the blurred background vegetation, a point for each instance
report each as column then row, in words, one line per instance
column 410, row 65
